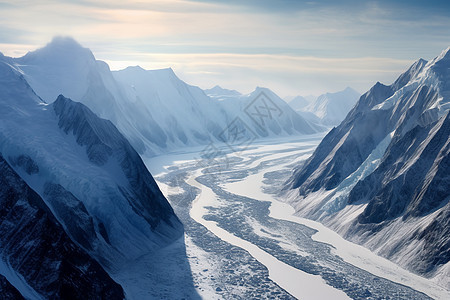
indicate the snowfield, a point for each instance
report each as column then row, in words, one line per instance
column 296, row 282
column 238, row 204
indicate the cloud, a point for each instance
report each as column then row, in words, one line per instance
column 293, row 45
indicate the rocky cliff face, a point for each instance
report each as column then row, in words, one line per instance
column 103, row 142
column 381, row 178
column 8, row 291
column 86, row 187
column 40, row 255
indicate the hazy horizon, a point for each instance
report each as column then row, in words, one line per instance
column 291, row 47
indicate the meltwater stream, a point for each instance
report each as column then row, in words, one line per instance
column 296, row 282
column 299, row 256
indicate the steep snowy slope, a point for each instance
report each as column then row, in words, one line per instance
column 381, row 178
column 149, row 107
column 36, row 254
column 155, row 110
column 299, row 103
column 328, row 109
column 87, row 173
column 64, row 67
column 332, row 108
column 186, row 115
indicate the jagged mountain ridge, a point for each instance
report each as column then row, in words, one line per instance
column 88, row 175
column 283, row 119
column 381, row 177
column 328, row 109
column 213, row 110
column 148, row 107
column 35, row 246
column 185, row 114
column 218, row 90
column 332, row 108
column 362, row 125
column 64, row 67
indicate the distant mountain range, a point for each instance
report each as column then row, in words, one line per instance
column 382, row 177
column 266, row 113
column 148, row 107
column 328, row 109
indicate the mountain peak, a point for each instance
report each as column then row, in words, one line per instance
column 218, row 90
column 445, row 55
column 260, row 89
column 442, row 59
column 411, row 73
column 421, row 61
column 167, row 70
column 64, row 41
column 348, row 89
column 136, row 68
column 61, row 48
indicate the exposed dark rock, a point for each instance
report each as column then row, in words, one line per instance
column 36, row 246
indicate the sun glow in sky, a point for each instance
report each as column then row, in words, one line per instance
column 292, row 47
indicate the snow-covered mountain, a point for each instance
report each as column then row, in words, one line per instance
column 184, row 113
column 264, row 112
column 193, row 116
column 155, row 110
column 76, row 192
column 64, row 67
column 219, row 91
column 328, row 109
column 38, row 258
column 382, row 177
column 332, row 108
column 299, row 103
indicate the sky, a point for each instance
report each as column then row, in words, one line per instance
column 291, row 47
